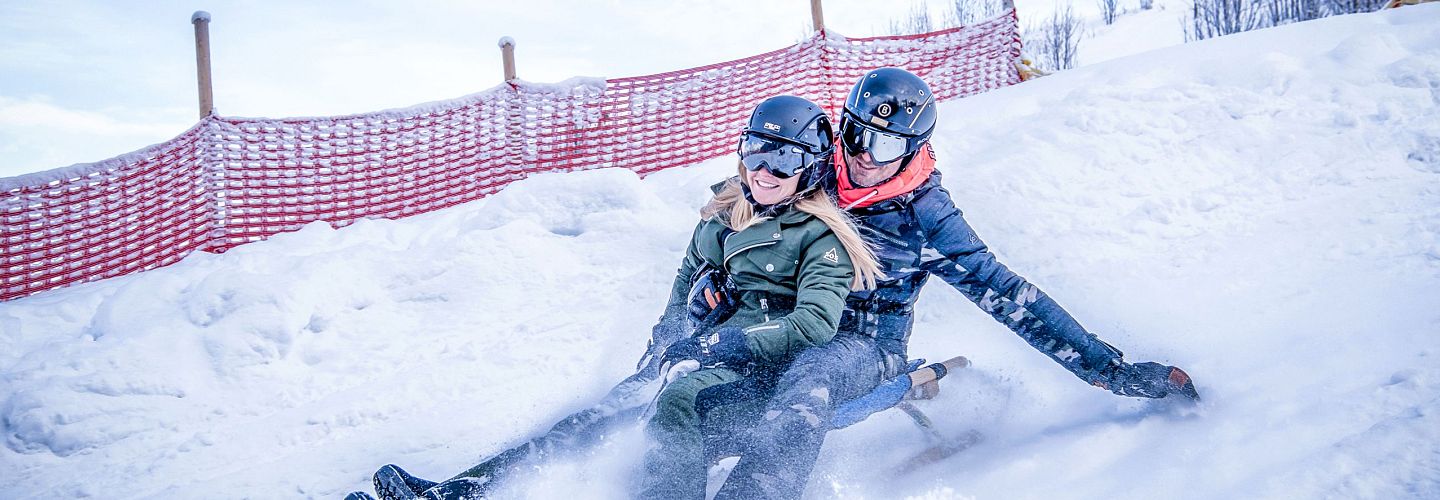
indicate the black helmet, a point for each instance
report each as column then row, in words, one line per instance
column 898, row 110
column 789, row 135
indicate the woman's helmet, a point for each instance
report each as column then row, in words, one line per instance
column 889, row 113
column 789, row 136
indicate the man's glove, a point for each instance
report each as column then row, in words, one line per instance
column 725, row 346
column 1147, row 380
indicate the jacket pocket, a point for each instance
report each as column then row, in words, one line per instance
column 772, row 263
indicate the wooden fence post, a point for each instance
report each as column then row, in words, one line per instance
column 507, row 52
column 817, row 15
column 201, row 20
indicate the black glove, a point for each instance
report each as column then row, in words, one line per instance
column 687, row 348
column 671, row 328
column 680, row 358
column 725, row 346
column 1147, row 380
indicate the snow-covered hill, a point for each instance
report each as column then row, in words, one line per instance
column 1262, row 209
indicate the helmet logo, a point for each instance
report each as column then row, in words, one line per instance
column 772, row 126
column 884, row 110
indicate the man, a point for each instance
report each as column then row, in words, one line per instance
column 885, row 177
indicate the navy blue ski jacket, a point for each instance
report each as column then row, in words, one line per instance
column 922, row 233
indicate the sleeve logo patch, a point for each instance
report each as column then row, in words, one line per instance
column 832, row 256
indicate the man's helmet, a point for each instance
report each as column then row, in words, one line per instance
column 789, row 136
column 890, row 113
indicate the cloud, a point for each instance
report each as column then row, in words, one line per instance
column 114, row 77
column 37, row 135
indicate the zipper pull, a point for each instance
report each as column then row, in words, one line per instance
column 765, row 308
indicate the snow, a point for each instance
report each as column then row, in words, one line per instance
column 1262, row 210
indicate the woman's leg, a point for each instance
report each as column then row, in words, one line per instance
column 776, row 461
column 675, row 463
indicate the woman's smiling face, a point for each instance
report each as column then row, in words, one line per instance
column 768, row 189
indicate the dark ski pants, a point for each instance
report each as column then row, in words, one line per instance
column 698, row 419
column 777, row 457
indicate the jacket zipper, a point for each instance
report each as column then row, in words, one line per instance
column 726, row 262
column 765, row 308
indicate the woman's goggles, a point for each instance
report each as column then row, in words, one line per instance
column 883, row 147
column 782, row 159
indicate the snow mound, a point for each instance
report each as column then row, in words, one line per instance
column 1261, row 209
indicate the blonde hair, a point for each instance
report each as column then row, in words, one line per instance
column 735, row 211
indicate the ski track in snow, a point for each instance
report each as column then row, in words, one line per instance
column 1262, row 210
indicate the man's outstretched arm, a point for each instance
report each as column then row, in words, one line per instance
column 961, row 259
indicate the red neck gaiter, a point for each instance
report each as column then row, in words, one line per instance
column 909, row 178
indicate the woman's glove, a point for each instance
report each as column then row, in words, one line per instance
column 681, row 358
column 687, row 348
column 725, row 346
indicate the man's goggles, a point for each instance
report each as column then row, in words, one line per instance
column 883, row 147
column 782, row 159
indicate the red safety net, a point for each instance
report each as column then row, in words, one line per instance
column 229, row 181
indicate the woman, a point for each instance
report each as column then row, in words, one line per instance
column 765, row 277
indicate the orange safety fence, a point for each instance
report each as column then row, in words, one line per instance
column 228, row 181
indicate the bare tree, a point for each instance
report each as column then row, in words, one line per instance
column 963, row 12
column 1278, row 12
column 1108, row 10
column 915, row 20
column 1212, row 18
column 1054, row 42
column 1354, row 6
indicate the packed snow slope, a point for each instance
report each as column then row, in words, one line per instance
column 1262, row 210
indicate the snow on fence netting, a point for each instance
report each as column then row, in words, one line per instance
column 229, row 181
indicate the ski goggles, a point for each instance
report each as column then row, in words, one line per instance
column 883, row 147
column 782, row 159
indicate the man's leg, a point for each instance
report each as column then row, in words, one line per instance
column 777, row 460
column 579, row 430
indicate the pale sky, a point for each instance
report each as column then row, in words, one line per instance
column 85, row 80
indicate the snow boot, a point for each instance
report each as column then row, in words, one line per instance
column 393, row 483
column 460, row 488
column 359, row 495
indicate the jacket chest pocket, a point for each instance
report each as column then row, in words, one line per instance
column 772, row 261
column 761, row 250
